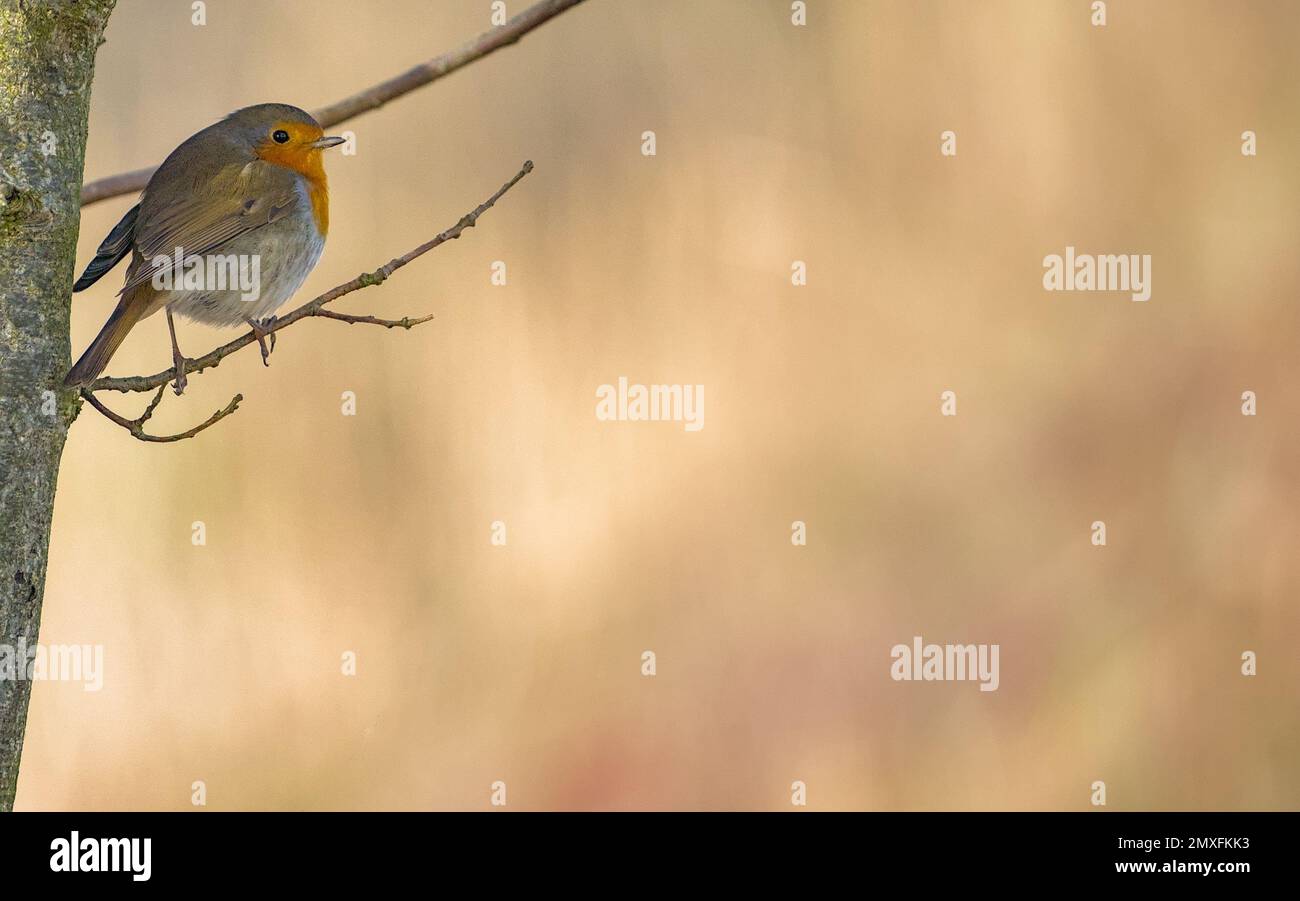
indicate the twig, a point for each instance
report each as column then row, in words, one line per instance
column 136, row 426
column 314, row 308
column 376, row 96
column 405, row 322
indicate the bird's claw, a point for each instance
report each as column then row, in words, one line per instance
column 181, row 381
column 261, row 331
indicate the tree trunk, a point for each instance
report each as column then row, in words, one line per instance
column 47, row 59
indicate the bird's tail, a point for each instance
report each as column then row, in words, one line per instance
column 110, row 337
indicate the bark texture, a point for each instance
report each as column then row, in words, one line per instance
column 47, row 60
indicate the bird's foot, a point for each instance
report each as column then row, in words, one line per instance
column 261, row 331
column 178, row 363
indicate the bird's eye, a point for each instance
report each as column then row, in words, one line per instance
column 280, row 137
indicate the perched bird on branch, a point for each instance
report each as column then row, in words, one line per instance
column 225, row 232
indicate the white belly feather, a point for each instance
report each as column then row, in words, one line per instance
column 274, row 259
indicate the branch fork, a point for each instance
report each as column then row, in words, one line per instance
column 136, row 426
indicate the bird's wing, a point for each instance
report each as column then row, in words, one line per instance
column 238, row 200
column 114, row 247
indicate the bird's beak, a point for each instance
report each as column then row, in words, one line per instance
column 331, row 141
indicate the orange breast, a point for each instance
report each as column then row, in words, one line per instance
column 308, row 163
column 319, row 193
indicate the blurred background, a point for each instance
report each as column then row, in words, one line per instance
column 476, row 663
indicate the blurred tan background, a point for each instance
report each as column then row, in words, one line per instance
column 477, row 663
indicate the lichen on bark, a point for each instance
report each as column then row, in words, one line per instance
column 47, row 61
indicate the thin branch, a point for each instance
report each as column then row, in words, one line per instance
column 314, row 308
column 405, row 322
column 136, row 426
column 376, row 96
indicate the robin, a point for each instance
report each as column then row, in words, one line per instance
column 225, row 232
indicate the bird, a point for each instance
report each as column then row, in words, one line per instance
column 226, row 231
